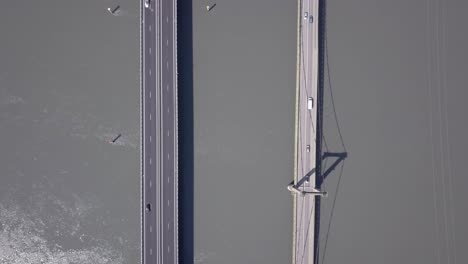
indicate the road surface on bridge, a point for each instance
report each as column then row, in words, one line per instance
column 303, row 244
column 159, row 136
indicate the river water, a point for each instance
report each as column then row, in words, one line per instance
column 244, row 75
column 69, row 85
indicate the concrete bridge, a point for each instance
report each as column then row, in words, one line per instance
column 159, row 131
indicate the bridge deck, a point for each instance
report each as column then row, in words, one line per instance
column 159, row 132
column 306, row 120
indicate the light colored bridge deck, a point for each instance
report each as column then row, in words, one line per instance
column 307, row 66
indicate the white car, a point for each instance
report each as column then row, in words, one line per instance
column 306, row 15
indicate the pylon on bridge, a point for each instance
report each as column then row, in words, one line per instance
column 294, row 189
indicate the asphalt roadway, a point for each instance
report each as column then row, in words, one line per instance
column 303, row 249
column 159, row 120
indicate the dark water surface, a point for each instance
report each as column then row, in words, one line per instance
column 244, row 55
column 69, row 85
column 399, row 73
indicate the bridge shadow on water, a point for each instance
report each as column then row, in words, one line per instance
column 186, row 136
